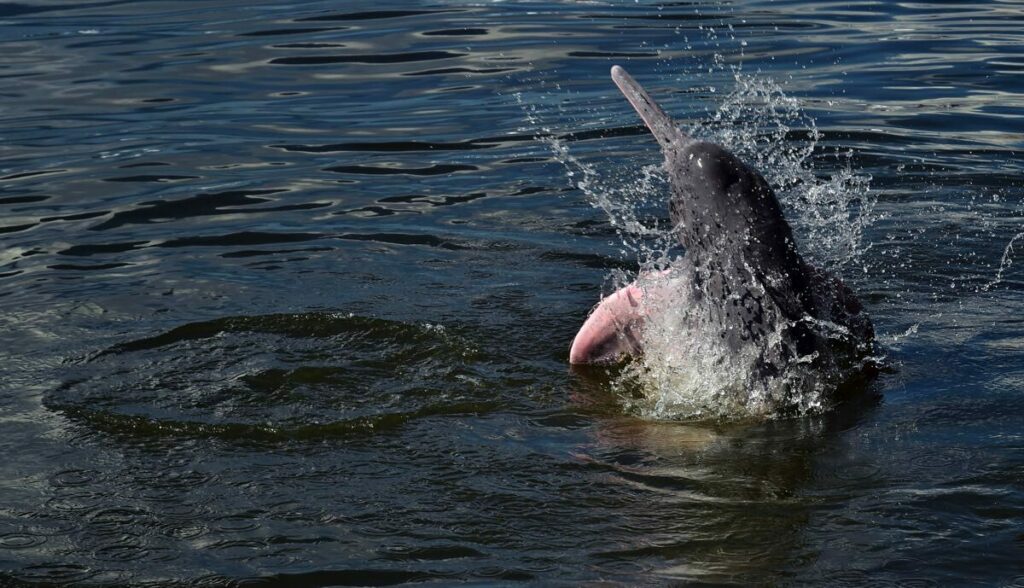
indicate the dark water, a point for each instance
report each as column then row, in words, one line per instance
column 286, row 291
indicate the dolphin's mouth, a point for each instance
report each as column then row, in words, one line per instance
column 611, row 331
column 661, row 124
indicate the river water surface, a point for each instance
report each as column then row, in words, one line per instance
column 287, row 288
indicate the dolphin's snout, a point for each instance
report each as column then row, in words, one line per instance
column 661, row 124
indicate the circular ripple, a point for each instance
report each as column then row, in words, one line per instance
column 165, row 485
column 943, row 459
column 71, row 503
column 182, row 511
column 273, row 378
column 48, row 527
column 236, row 524
column 73, row 478
column 274, row 561
column 120, row 552
column 185, row 531
column 239, row 549
column 118, row 516
column 55, row 572
column 20, row 540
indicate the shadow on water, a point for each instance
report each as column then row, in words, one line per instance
column 721, row 503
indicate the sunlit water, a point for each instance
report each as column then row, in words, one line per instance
column 287, row 291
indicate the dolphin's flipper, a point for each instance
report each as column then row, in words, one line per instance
column 661, row 124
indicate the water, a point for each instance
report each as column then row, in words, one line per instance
column 287, row 291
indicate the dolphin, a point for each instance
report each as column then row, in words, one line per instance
column 741, row 265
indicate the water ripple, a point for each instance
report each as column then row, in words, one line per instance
column 290, row 31
column 195, row 206
column 307, row 377
column 16, row 540
column 370, row 58
column 189, row 189
column 374, row 15
column 394, row 146
column 433, row 170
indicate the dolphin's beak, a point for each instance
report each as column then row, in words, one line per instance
column 661, row 125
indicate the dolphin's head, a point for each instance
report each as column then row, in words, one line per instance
column 717, row 201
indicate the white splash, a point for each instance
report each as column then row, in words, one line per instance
column 770, row 131
column 687, row 370
column 1004, row 263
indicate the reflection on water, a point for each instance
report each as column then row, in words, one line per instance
column 286, row 292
